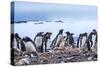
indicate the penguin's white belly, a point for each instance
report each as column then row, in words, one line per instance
column 83, row 41
column 62, row 44
column 38, row 41
column 93, row 40
column 30, row 47
column 15, row 44
column 60, row 37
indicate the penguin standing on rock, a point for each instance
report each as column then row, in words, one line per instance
column 84, row 39
column 69, row 39
column 72, row 39
column 81, row 42
column 15, row 44
column 46, row 40
column 56, row 42
column 38, row 40
column 30, row 46
column 92, row 40
column 15, row 47
column 29, row 50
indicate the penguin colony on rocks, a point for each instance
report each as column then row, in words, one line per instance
column 26, row 48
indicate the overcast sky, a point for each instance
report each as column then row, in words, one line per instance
column 46, row 11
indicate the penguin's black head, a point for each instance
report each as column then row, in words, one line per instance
column 16, row 35
column 68, row 33
column 61, row 31
column 49, row 33
column 72, row 33
column 40, row 33
column 94, row 31
column 85, row 33
column 26, row 39
column 80, row 35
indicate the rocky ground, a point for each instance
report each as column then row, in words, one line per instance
column 64, row 56
column 61, row 55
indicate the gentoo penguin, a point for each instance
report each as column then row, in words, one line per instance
column 88, row 43
column 30, row 46
column 38, row 40
column 18, row 43
column 57, row 41
column 15, row 47
column 72, row 40
column 29, row 52
column 81, row 42
column 69, row 38
column 63, row 43
column 92, row 40
column 23, row 48
column 84, row 39
column 15, row 42
column 46, row 40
